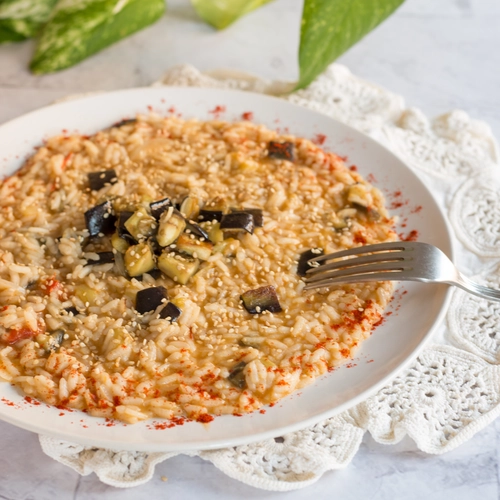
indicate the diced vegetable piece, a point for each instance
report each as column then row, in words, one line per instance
column 227, row 247
column 158, row 207
column 249, row 166
column 86, row 294
column 214, row 210
column 154, row 273
column 100, row 219
column 261, row 299
column 237, row 222
column 196, row 230
column 128, row 121
column 32, row 285
column 194, row 247
column 281, row 150
column 372, row 213
column 358, row 194
column 190, row 207
column 343, row 218
column 119, row 244
column 303, row 265
column 51, row 342
column 139, row 260
column 97, row 180
column 141, row 224
column 237, row 375
column 132, row 223
column 172, row 224
column 123, row 217
column 258, row 218
column 170, row 311
column 210, row 215
column 251, row 342
column 102, row 258
column 178, row 268
column 150, row 298
column 215, row 234
column 72, row 310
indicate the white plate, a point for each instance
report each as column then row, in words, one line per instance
column 393, row 345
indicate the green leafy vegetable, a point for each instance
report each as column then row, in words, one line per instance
column 221, row 13
column 21, row 19
column 80, row 28
column 330, row 27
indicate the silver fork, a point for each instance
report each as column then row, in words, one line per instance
column 395, row 261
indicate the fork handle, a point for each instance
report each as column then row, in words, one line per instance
column 472, row 287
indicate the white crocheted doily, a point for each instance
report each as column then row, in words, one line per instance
column 453, row 389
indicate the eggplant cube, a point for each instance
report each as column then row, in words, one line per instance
column 155, row 273
column 123, row 217
column 172, row 224
column 358, row 194
column 51, row 342
column 210, row 215
column 281, row 150
column 72, row 310
column 215, row 234
column 100, row 219
column 97, row 180
column 139, row 259
column 196, row 230
column 170, row 311
column 198, row 249
column 149, row 299
column 303, row 265
column 238, row 222
column 141, row 224
column 190, row 207
column 158, row 207
column 258, row 218
column 261, row 299
column 343, row 218
column 177, row 267
column 237, row 375
column 120, row 244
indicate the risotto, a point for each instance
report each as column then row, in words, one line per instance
column 156, row 268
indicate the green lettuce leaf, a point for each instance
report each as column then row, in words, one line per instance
column 21, row 19
column 80, row 28
column 221, row 13
column 330, row 27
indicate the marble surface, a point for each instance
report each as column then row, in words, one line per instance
column 440, row 56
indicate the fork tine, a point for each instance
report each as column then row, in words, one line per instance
column 357, row 278
column 356, row 271
column 378, row 247
column 358, row 261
